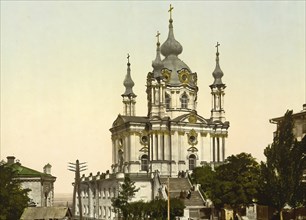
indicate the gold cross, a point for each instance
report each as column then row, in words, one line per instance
column 128, row 57
column 170, row 10
column 217, row 46
column 157, row 35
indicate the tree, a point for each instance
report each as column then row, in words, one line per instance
column 282, row 171
column 234, row 183
column 13, row 199
column 158, row 208
column 126, row 193
column 206, row 177
column 298, row 197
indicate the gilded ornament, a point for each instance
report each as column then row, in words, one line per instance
column 192, row 118
column 166, row 74
column 184, row 76
column 192, row 137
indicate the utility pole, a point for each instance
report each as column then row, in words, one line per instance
column 77, row 168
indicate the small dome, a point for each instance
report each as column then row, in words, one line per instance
column 217, row 74
column 157, row 64
column 128, row 83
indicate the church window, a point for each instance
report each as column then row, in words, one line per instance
column 120, row 160
column 168, row 101
column 144, row 162
column 192, row 162
column 184, row 101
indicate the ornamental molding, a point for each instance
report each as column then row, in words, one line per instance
column 192, row 118
column 181, row 132
column 218, row 135
column 184, row 76
column 166, row 73
column 203, row 134
column 192, row 137
column 192, row 149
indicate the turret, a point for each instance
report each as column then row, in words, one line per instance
column 156, row 86
column 129, row 98
column 217, row 92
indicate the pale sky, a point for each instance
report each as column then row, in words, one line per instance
column 63, row 64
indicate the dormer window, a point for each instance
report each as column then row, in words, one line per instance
column 168, row 101
column 184, row 101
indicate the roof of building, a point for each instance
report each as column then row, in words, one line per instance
column 32, row 213
column 294, row 115
column 23, row 171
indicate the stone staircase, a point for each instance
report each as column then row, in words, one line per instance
column 181, row 188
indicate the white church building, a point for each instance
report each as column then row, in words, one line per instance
column 172, row 138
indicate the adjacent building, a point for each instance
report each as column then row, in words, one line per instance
column 168, row 142
column 41, row 184
column 299, row 120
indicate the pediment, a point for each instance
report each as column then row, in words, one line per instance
column 192, row 118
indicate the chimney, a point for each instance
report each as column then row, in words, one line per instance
column 304, row 107
column 47, row 169
column 10, row 160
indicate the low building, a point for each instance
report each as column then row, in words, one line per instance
column 41, row 184
column 299, row 120
column 50, row 213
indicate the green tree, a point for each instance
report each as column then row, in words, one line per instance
column 158, row 208
column 298, row 197
column 126, row 193
column 282, row 171
column 13, row 199
column 206, row 177
column 234, row 183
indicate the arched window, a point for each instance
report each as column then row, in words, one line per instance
column 192, row 161
column 120, row 160
column 144, row 162
column 168, row 101
column 184, row 101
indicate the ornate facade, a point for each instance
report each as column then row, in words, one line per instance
column 172, row 138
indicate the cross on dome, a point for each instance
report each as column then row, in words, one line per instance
column 157, row 35
column 217, row 47
column 170, row 11
column 128, row 57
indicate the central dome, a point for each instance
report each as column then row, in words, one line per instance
column 171, row 46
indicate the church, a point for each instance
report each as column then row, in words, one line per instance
column 167, row 143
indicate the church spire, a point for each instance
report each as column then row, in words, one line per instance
column 217, row 92
column 157, row 63
column 217, row 74
column 128, row 82
column 128, row 96
column 171, row 46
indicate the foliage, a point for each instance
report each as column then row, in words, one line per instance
column 158, row 208
column 282, row 171
column 298, row 197
column 206, row 177
column 126, row 193
column 13, row 199
column 234, row 183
